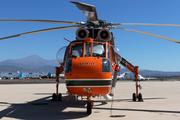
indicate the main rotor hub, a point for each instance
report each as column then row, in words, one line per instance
column 96, row 24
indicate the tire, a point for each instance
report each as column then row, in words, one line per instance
column 140, row 97
column 134, row 96
column 89, row 110
column 60, row 97
column 54, row 98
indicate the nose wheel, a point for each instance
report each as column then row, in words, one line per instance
column 89, row 109
column 90, row 105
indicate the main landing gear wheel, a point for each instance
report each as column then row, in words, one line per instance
column 89, row 110
column 54, row 98
column 140, row 98
column 60, row 97
column 134, row 96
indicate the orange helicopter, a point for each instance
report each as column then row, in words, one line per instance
column 89, row 60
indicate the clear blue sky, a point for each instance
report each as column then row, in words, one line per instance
column 141, row 50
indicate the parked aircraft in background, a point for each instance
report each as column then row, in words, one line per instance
column 140, row 77
column 121, row 76
column 61, row 76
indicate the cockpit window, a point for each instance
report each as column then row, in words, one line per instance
column 99, row 49
column 76, row 50
column 108, row 52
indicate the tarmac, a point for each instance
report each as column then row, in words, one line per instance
column 32, row 101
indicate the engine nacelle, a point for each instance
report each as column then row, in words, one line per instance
column 104, row 34
column 82, row 33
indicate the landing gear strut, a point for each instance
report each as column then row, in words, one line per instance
column 137, row 95
column 134, row 96
column 57, row 96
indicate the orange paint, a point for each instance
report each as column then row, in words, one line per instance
column 87, row 71
column 96, row 91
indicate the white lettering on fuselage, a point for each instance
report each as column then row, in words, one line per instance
column 86, row 63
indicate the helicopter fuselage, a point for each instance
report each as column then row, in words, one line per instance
column 88, row 67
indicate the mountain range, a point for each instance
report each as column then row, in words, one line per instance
column 31, row 63
column 35, row 63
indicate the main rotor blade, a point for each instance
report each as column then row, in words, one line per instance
column 88, row 10
column 38, row 31
column 173, row 40
column 173, row 25
column 47, row 21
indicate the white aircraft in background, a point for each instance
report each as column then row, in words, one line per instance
column 60, row 76
column 143, row 78
column 140, row 77
column 121, row 76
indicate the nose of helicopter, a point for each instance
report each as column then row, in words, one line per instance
column 87, row 77
column 86, row 68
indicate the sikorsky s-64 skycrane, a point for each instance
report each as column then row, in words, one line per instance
column 89, row 60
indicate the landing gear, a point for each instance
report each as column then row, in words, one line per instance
column 90, row 105
column 134, row 96
column 55, row 98
column 140, row 97
column 60, row 97
column 137, row 95
column 89, row 108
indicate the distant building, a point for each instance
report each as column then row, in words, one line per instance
column 17, row 75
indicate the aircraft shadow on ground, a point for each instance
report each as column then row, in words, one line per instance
column 45, row 109
column 137, row 110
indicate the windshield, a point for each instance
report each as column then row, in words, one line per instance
column 76, row 50
column 99, row 49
